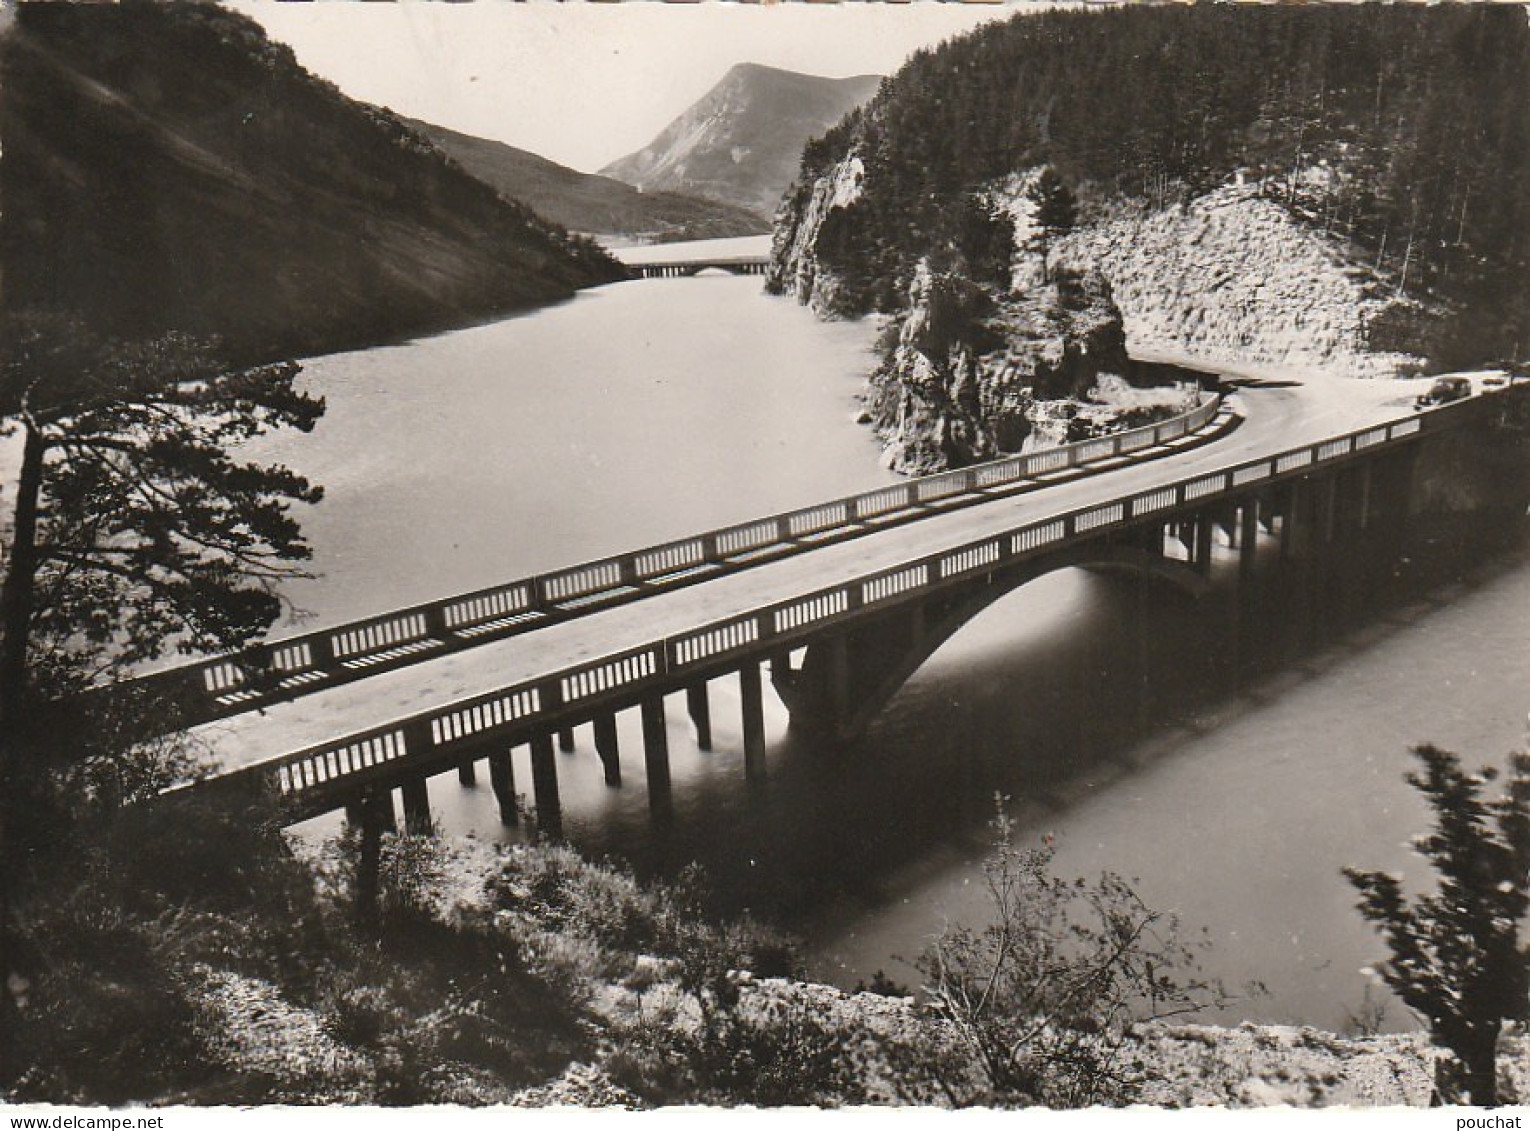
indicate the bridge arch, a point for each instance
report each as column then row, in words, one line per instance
column 848, row 678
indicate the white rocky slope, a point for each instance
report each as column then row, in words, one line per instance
column 1231, row 274
column 1235, row 275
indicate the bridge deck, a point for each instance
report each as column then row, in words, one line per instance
column 1278, row 418
column 307, row 663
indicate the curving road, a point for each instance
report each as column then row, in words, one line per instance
column 1279, row 413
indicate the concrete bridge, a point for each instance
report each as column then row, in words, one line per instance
column 733, row 265
column 841, row 603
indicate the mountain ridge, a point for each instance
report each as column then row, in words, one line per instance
column 741, row 142
column 589, row 202
column 172, row 168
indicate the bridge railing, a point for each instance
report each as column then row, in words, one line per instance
column 289, row 666
column 574, row 693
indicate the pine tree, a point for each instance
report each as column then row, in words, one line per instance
column 132, row 529
column 985, row 240
column 1457, row 959
column 1055, row 213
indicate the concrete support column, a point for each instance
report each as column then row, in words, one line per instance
column 371, row 817
column 839, row 678
column 1202, row 554
column 781, row 671
column 606, row 745
column 416, row 796
column 1243, row 607
column 544, row 784
column 1350, row 546
column 374, row 807
column 1289, row 520
column 502, row 781
column 656, row 756
column 752, row 702
column 566, row 739
column 1322, row 575
column 1330, row 509
column 699, row 706
column 467, row 772
column 1248, row 543
column 1267, row 512
column 1309, row 549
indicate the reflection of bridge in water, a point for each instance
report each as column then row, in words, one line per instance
column 842, row 601
column 733, row 265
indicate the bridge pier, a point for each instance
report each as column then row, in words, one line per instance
column 416, row 795
column 544, row 785
column 1391, row 500
column 699, row 707
column 1322, row 591
column 502, row 781
column 661, row 803
column 467, row 772
column 1247, row 597
column 608, row 747
column 1200, row 556
column 566, row 739
column 1248, row 545
column 782, row 674
column 1288, row 506
column 752, row 702
column 1148, row 538
column 1184, row 533
column 839, row 676
column 371, row 816
column 373, row 805
column 1304, row 526
column 1267, row 509
column 1345, row 551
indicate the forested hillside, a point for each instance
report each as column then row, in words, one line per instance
column 168, row 167
column 587, row 202
column 1399, row 132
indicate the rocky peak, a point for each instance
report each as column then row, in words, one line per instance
column 740, row 142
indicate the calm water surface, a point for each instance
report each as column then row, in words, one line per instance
column 629, row 415
column 1107, row 712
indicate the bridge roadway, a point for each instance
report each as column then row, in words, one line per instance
column 1280, row 414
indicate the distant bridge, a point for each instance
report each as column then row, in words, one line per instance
column 734, row 265
column 862, row 589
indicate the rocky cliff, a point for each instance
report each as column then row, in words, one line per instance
column 1337, row 218
column 169, row 167
column 796, row 267
column 1233, row 274
column 968, row 376
column 1226, row 274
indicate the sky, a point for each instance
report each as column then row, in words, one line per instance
column 585, row 83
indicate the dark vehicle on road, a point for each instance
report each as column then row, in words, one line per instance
column 1443, row 391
